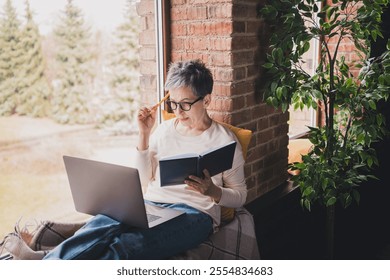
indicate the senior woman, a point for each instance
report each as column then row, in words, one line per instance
column 190, row 85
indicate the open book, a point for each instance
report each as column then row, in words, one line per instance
column 174, row 170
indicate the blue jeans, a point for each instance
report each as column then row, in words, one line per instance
column 105, row 238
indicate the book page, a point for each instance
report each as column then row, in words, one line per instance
column 217, row 148
column 181, row 156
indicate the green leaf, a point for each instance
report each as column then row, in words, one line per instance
column 370, row 161
column 308, row 191
column 372, row 104
column 331, row 201
column 284, row 107
column 356, row 196
column 307, row 204
column 306, row 47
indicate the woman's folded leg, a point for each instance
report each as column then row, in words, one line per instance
column 105, row 238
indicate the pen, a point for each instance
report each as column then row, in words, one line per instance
column 161, row 101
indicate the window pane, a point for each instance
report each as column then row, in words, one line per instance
column 75, row 94
column 300, row 119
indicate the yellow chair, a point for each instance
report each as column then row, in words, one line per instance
column 244, row 137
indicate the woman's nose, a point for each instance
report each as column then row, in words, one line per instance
column 178, row 109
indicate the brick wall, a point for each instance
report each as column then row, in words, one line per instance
column 226, row 35
column 147, row 40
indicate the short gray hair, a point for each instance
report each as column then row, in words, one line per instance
column 193, row 74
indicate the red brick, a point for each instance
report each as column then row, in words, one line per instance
column 221, row 104
column 179, row 29
column 179, row 13
column 241, row 87
column 224, row 74
column 176, row 56
column 252, row 193
column 226, row 104
column 256, row 166
column 221, row 116
column 252, row 71
column 145, row 7
column 244, row 42
column 196, row 43
column 259, row 111
column 252, row 27
column 177, row 2
column 148, row 53
column 147, row 37
column 265, row 136
column 238, row 103
column 274, row 120
column 258, row 152
column 270, row 110
column 220, row 11
column 148, row 68
column 202, row 28
column 221, row 44
column 148, row 82
column 221, row 59
column 243, row 57
column 250, row 99
column 147, row 23
column 197, row 13
column 245, row 10
column 242, row 116
column 266, row 173
column 197, row 2
column 239, row 73
column 262, row 124
column 190, row 54
column 239, row 26
column 273, row 145
column 177, row 43
column 222, row 89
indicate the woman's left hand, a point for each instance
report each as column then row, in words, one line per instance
column 204, row 186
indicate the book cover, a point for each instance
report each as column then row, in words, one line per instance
column 174, row 170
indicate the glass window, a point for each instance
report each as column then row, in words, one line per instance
column 301, row 119
column 74, row 91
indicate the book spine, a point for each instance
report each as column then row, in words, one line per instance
column 199, row 167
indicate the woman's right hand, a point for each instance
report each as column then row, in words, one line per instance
column 146, row 119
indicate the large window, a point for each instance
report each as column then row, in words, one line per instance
column 72, row 91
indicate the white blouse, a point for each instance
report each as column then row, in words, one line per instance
column 166, row 141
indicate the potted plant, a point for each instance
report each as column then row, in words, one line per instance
column 347, row 91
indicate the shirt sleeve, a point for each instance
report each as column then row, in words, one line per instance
column 144, row 161
column 144, row 165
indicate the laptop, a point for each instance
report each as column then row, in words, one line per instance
column 112, row 190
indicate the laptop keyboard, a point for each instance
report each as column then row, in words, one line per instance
column 152, row 218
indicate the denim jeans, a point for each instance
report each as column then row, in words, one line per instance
column 105, row 238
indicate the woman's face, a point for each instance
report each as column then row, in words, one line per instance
column 197, row 112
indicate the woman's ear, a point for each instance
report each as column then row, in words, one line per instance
column 207, row 100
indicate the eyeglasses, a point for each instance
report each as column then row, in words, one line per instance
column 185, row 106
